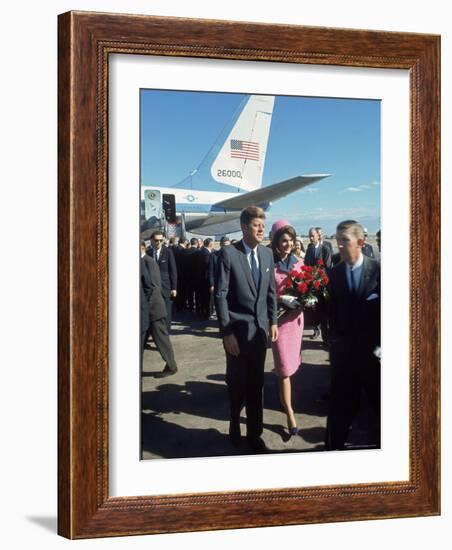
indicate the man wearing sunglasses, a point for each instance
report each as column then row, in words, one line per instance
column 168, row 271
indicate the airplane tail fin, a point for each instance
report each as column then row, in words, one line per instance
column 241, row 158
column 237, row 157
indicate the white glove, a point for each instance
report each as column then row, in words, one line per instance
column 290, row 301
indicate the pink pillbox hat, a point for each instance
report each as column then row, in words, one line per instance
column 279, row 224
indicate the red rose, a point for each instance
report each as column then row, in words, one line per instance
column 288, row 283
column 320, row 262
column 303, row 288
column 321, row 272
column 326, row 279
column 317, row 285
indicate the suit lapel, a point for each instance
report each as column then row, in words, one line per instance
column 342, row 280
column 365, row 276
column 246, row 267
column 262, row 267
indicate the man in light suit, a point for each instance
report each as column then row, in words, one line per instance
column 168, row 271
column 354, row 315
column 245, row 300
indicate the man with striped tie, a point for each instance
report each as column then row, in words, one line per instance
column 245, row 300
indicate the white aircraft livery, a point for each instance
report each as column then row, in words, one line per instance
column 229, row 179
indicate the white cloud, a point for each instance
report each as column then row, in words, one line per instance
column 336, row 214
column 352, row 190
column 364, row 186
column 375, row 183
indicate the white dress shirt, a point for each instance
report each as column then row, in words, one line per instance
column 248, row 254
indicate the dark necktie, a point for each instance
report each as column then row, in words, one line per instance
column 254, row 269
column 352, row 282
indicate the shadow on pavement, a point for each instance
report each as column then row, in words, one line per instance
column 170, row 440
column 310, row 386
column 201, row 399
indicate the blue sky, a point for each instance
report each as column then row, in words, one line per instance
column 307, row 135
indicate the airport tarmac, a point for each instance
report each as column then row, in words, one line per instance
column 187, row 414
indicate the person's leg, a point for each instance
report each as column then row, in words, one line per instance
column 162, row 340
column 255, row 363
column 285, row 395
column 371, row 382
column 236, row 383
column 343, row 402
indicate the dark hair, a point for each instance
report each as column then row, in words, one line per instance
column 277, row 237
column 182, row 240
column 207, row 241
column 143, row 243
column 157, row 232
column 355, row 228
column 250, row 213
column 194, row 241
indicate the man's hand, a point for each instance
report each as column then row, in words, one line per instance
column 173, row 294
column 274, row 332
column 231, row 345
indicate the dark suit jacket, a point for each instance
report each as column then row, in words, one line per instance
column 168, row 269
column 355, row 322
column 157, row 308
column 324, row 254
column 241, row 308
column 204, row 262
column 367, row 250
column 145, row 294
column 213, row 260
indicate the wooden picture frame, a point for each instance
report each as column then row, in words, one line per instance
column 86, row 40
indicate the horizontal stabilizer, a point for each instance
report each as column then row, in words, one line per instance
column 214, row 224
column 270, row 193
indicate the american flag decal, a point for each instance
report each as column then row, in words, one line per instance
column 244, row 149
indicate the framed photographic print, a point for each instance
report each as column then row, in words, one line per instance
column 168, row 129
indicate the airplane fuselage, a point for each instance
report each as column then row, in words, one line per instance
column 192, row 201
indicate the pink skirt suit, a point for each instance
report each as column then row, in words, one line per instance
column 286, row 350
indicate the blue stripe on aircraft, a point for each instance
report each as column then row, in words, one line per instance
column 199, row 208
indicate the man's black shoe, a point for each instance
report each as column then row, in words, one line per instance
column 234, row 433
column 316, row 334
column 257, row 445
column 165, row 372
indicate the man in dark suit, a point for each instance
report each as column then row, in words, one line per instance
column 324, row 243
column 157, row 313
column 367, row 248
column 245, row 300
column 317, row 251
column 206, row 297
column 168, row 271
column 354, row 306
column 190, row 273
column 145, row 294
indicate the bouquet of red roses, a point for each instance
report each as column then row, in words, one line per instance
column 304, row 287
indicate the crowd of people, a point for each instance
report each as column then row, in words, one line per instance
column 245, row 283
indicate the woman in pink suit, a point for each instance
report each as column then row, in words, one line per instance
column 286, row 350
